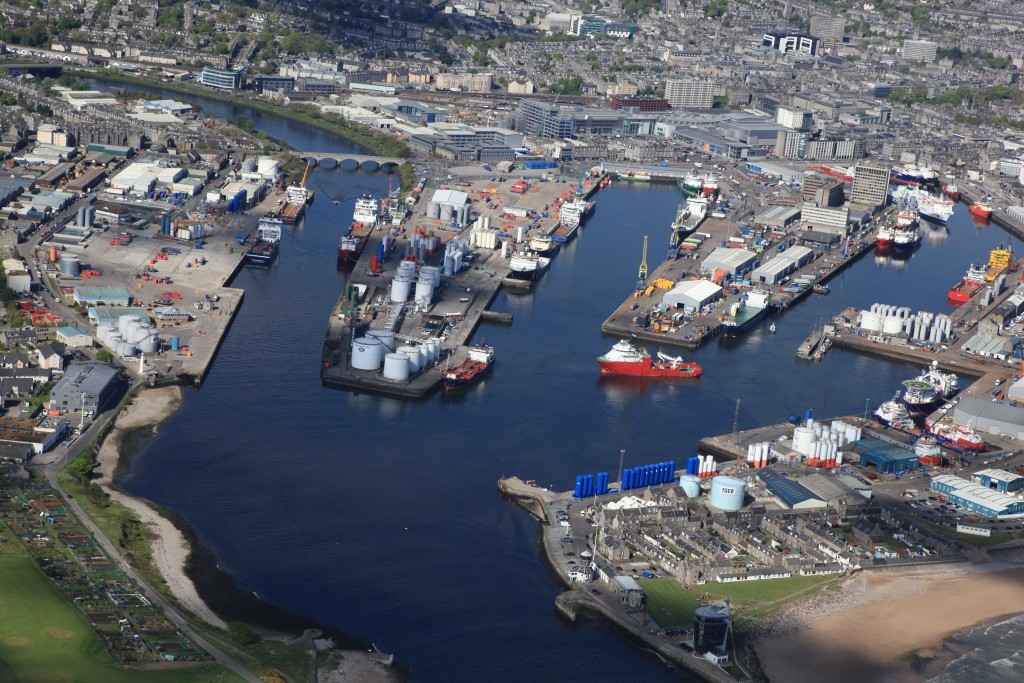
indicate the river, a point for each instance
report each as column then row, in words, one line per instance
column 380, row 517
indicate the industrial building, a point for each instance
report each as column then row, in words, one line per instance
column 778, row 216
column 989, row 417
column 102, row 296
column 37, row 435
column 73, row 337
column 84, row 387
column 733, row 261
column 791, row 494
column 834, row 221
column 88, row 181
column 711, row 626
column 999, row 480
column 975, row 497
column 692, row 295
column 782, row 265
column 886, row 458
column 449, row 206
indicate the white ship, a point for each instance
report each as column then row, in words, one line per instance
column 573, row 211
column 930, row 207
column 528, row 266
column 894, row 414
column 365, row 211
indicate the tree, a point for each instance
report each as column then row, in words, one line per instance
column 241, row 634
column 104, row 356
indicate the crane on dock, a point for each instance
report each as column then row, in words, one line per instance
column 641, row 278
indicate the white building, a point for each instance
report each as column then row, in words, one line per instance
column 919, row 50
column 692, row 295
column 690, row 93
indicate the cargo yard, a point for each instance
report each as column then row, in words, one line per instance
column 721, row 277
column 423, row 281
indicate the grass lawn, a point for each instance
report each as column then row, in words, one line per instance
column 43, row 639
column 672, row 605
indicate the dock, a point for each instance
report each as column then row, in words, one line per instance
column 463, row 299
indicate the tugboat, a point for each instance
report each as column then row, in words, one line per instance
column 951, row 191
column 981, row 210
column 627, row 358
column 894, row 414
column 471, row 370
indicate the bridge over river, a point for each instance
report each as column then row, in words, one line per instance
column 351, row 162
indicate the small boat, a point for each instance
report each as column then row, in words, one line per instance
column 981, row 210
column 471, row 370
column 627, row 358
column 821, row 289
column 771, row 330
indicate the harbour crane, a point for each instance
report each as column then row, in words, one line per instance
column 641, row 278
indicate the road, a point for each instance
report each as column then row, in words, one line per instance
column 50, row 470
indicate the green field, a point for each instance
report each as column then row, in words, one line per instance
column 672, row 605
column 43, row 639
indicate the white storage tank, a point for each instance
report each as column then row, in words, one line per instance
column 127, row 349
column 435, row 350
column 728, row 493
column 690, row 485
column 803, row 437
column 870, row 320
column 425, row 289
column 424, row 356
column 268, row 166
column 892, row 325
column 103, row 332
column 396, row 367
column 413, row 354
column 150, row 344
column 367, row 353
column 386, row 337
column 400, row 287
column 124, row 320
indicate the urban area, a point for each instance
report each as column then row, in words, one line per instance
column 800, row 136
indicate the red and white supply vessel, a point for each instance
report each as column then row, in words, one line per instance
column 627, row 358
column 961, row 436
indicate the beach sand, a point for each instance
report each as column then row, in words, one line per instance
column 888, row 627
column 169, row 547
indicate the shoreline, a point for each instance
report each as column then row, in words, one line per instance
column 190, row 570
column 895, row 627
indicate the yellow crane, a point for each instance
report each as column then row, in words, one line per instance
column 305, row 174
column 641, row 278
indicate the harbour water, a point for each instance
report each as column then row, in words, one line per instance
column 379, row 517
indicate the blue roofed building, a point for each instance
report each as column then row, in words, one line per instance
column 790, row 493
column 886, row 458
column 999, row 480
column 975, row 497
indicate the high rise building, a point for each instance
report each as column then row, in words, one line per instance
column 690, row 93
column 711, row 630
column 919, row 50
column 795, row 118
column 543, row 119
column 829, row 29
column 870, row 184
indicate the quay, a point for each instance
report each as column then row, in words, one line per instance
column 970, row 195
column 510, row 215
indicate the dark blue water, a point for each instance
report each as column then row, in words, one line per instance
column 380, row 517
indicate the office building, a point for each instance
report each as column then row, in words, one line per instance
column 84, row 387
column 711, row 631
column 821, row 190
column 829, row 29
column 272, row 83
column 465, row 82
column 786, row 43
column 795, row 118
column 690, row 93
column 224, row 79
column 870, row 185
column 919, row 51
column 585, row 25
column 543, row 119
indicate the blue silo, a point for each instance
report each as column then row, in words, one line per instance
column 578, row 491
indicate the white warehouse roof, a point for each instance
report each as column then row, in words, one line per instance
column 451, row 197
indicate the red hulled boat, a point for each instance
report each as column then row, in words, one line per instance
column 626, row 358
column 471, row 370
column 961, row 436
column 972, row 282
column 981, row 210
column 951, row 191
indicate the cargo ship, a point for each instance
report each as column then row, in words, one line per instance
column 914, row 175
column 268, row 239
column 471, row 370
column 635, row 177
column 527, row 266
column 960, row 436
column 710, row 185
column 627, row 358
column 998, row 262
column 981, row 210
column 744, row 314
column 884, row 237
column 971, row 283
column 364, row 220
column 296, row 199
column 893, row 414
column 543, row 245
column 951, row 191
column 691, row 185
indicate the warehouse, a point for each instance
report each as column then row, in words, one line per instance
column 782, row 265
column 73, row 337
column 449, row 206
column 778, row 217
column 885, row 458
column 110, row 315
column 999, row 480
column 100, row 296
column 989, row 417
column 88, row 181
column 84, row 387
column 10, row 188
column 791, row 494
column 732, row 261
column 975, row 497
column 692, row 295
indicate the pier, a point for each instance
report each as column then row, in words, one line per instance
column 515, row 209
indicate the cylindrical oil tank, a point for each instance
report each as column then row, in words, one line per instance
column 727, row 493
column 249, row 165
column 803, row 437
column 414, row 357
column 102, row 331
column 175, row 343
column 385, row 337
column 870, row 320
column 425, row 289
column 127, row 349
column 396, row 367
column 433, row 210
column 123, row 321
column 367, row 353
column 400, row 289
column 69, row 265
column 150, row 344
column 446, row 212
column 425, row 359
column 690, row 485
column 435, row 350
column 268, row 166
column 892, row 325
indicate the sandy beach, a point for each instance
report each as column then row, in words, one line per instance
column 886, row 627
column 169, row 547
